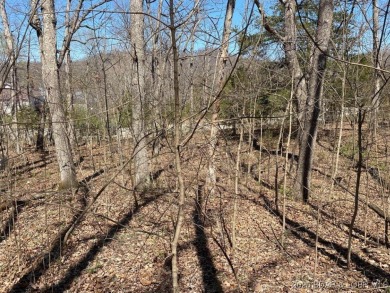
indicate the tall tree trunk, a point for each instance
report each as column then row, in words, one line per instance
column 221, row 78
column 68, row 81
column 156, row 69
column 47, row 36
column 141, row 162
column 313, row 103
column 40, row 143
column 357, row 187
column 70, row 99
column 290, row 49
column 14, row 81
column 375, row 54
column 177, row 151
column 39, row 105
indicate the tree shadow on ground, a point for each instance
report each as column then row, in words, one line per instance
column 359, row 234
column 280, row 152
column 42, row 264
column 75, row 270
column 374, row 172
column 155, row 175
column 209, row 272
column 93, row 176
column 256, row 145
column 255, row 176
column 372, row 272
column 165, row 273
column 372, row 206
column 15, row 208
column 29, row 166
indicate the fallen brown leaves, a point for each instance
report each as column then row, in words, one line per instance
column 118, row 246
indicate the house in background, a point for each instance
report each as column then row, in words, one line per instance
column 7, row 101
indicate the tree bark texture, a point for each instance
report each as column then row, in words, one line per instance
column 14, row 78
column 313, row 102
column 177, row 152
column 290, row 49
column 68, row 81
column 376, row 62
column 47, row 35
column 221, row 78
column 357, row 187
column 141, row 162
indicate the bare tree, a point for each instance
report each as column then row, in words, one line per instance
column 221, row 78
column 47, row 36
column 308, row 92
column 45, row 25
column 68, row 79
column 314, row 99
column 12, row 61
column 375, row 55
column 141, row 163
column 357, row 186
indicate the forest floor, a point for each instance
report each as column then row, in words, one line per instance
column 100, row 240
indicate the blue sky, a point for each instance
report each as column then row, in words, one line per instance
column 214, row 13
column 18, row 11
